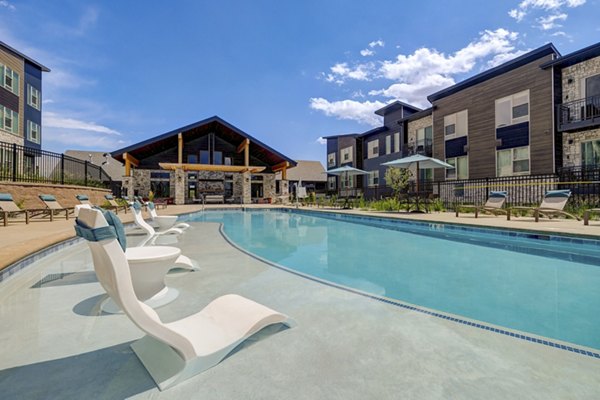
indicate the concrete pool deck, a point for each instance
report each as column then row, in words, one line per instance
column 57, row 345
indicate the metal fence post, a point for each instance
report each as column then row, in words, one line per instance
column 62, row 169
column 14, row 166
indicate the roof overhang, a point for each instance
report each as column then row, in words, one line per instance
column 576, row 57
column 211, row 167
column 23, row 56
column 215, row 124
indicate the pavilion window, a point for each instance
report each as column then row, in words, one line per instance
column 218, row 157
column 204, row 157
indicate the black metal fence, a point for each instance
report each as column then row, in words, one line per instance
column 584, row 183
column 25, row 164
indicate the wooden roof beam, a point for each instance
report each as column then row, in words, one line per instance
column 243, row 146
column 282, row 165
column 131, row 159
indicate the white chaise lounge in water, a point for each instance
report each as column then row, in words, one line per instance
column 164, row 222
column 136, row 209
column 175, row 351
column 148, row 265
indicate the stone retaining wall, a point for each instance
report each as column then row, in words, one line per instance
column 65, row 194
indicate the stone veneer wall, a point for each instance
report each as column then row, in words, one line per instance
column 571, row 92
column 65, row 194
column 572, row 145
column 413, row 126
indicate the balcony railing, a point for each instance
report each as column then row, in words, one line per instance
column 579, row 114
column 423, row 147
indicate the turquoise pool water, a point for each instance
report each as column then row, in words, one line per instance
column 533, row 283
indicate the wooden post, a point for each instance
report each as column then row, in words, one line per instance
column 180, row 148
column 284, row 173
column 127, row 167
column 247, row 155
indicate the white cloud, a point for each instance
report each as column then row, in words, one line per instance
column 415, row 76
column 321, row 140
column 366, row 52
column 6, row 4
column 550, row 21
column 341, row 72
column 362, row 112
column 377, row 43
column 54, row 120
column 554, row 6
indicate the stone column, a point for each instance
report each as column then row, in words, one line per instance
column 284, row 187
column 179, row 186
column 246, row 194
column 128, row 186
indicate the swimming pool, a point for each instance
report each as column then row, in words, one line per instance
column 537, row 283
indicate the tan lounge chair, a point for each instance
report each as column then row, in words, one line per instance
column 8, row 209
column 493, row 205
column 113, row 203
column 54, row 207
column 553, row 203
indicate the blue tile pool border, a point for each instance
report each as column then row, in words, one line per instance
column 472, row 323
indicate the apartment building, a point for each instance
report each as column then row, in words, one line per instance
column 577, row 93
column 20, row 98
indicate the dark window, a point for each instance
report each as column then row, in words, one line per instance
column 592, row 86
column 160, row 188
column 192, row 159
column 160, row 175
column 204, row 157
column 257, row 177
column 450, row 129
column 520, row 111
column 217, row 157
column 228, row 161
column 192, row 177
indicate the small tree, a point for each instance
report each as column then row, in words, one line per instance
column 397, row 179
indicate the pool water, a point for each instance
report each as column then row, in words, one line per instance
column 534, row 283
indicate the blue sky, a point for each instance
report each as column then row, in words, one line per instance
column 287, row 72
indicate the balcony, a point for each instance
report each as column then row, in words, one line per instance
column 579, row 114
column 423, row 147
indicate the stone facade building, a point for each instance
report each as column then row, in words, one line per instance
column 208, row 160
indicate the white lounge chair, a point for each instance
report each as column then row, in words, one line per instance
column 175, row 351
column 164, row 222
column 149, row 266
column 136, row 209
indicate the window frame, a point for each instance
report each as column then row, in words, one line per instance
column 346, row 151
column 373, row 148
column 512, row 99
column 373, row 178
column 38, row 131
column 512, row 159
column 14, row 120
column 8, row 72
column 30, row 92
column 331, row 160
column 453, row 119
column 454, row 162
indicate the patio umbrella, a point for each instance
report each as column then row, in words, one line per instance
column 419, row 161
column 347, row 171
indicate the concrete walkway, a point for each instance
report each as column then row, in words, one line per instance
column 57, row 345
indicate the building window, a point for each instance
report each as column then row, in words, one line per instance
column 33, row 97
column 346, row 154
column 9, row 120
column 460, row 170
column 513, row 109
column 331, row 182
column 373, row 178
column 33, row 132
column 425, row 136
column 512, row 161
column 426, row 174
column 9, row 79
column 590, row 153
column 330, row 160
column 160, row 184
column 218, row 157
column 347, row 181
column 228, row 161
column 388, row 144
column 396, row 142
column 192, row 159
column 373, row 148
column 456, row 125
column 204, row 157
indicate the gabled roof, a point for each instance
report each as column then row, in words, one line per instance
column 574, row 57
column 496, row 71
column 395, row 106
column 113, row 168
column 419, row 115
column 31, row 60
column 307, row 171
column 150, row 145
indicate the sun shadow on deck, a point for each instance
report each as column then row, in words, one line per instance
column 65, row 279
column 109, row 373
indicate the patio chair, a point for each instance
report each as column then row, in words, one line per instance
column 9, row 209
column 493, row 205
column 113, row 203
column 552, row 205
column 165, row 222
column 54, row 206
column 83, row 199
column 136, row 209
column 175, row 351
